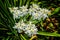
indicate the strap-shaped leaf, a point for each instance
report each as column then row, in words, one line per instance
column 48, row 34
column 23, row 37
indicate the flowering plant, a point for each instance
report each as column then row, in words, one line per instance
column 34, row 12
column 29, row 20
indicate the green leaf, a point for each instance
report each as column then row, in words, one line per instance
column 56, row 11
column 23, row 37
column 24, row 2
column 2, row 24
column 48, row 34
column 8, row 38
column 3, row 29
column 28, row 2
column 21, row 2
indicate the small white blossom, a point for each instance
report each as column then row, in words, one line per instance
column 44, row 16
column 20, row 26
column 37, row 15
column 31, row 29
column 44, row 10
column 13, row 9
column 24, row 8
column 35, row 6
column 16, row 14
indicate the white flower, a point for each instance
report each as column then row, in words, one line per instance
column 24, row 8
column 13, row 9
column 45, row 11
column 35, row 6
column 16, row 14
column 36, row 15
column 31, row 29
column 20, row 26
column 44, row 16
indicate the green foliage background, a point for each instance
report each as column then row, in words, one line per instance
column 7, row 22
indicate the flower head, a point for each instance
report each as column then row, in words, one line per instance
column 29, row 29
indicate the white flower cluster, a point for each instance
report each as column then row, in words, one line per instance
column 36, row 13
column 19, row 12
column 34, row 10
column 29, row 29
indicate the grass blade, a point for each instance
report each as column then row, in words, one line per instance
column 48, row 34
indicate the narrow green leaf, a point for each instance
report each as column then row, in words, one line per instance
column 24, row 2
column 11, row 38
column 6, row 11
column 3, row 29
column 23, row 37
column 48, row 34
column 28, row 2
column 8, row 38
column 2, row 24
column 21, row 2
